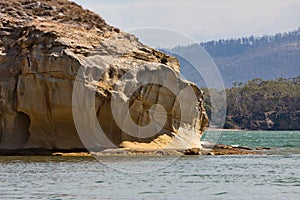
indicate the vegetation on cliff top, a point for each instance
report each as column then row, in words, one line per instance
column 261, row 104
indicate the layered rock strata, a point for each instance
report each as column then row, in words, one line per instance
column 48, row 46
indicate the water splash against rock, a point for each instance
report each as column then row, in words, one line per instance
column 43, row 47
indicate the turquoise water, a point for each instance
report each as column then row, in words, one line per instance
column 271, row 176
column 254, row 139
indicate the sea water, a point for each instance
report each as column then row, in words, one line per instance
column 272, row 175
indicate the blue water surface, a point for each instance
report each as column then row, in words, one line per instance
column 269, row 176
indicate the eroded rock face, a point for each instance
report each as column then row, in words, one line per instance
column 45, row 44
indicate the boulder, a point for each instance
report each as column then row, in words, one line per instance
column 47, row 47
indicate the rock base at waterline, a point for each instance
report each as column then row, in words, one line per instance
column 218, row 149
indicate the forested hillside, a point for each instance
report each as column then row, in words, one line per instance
column 265, row 105
column 243, row 59
column 258, row 74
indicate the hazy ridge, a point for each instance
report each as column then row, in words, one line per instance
column 246, row 58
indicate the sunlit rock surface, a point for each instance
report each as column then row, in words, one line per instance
column 44, row 44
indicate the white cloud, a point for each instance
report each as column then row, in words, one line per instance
column 202, row 19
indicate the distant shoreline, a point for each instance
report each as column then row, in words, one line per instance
column 223, row 129
column 213, row 128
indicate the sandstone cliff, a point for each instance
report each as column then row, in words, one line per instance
column 46, row 44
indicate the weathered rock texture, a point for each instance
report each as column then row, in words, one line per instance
column 43, row 45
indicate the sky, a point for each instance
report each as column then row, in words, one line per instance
column 202, row 20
